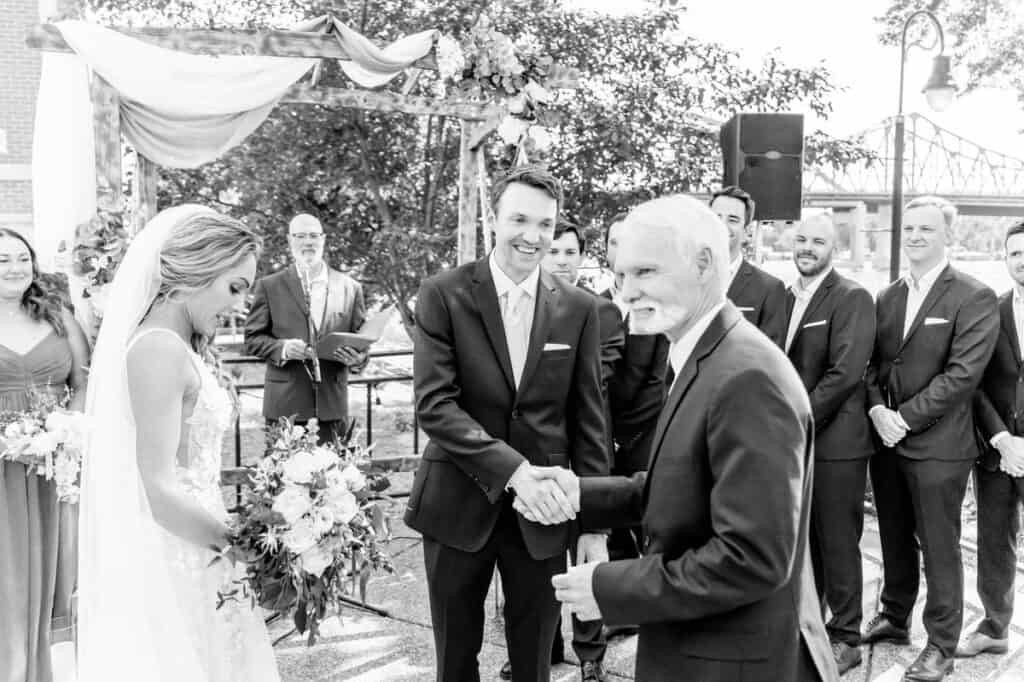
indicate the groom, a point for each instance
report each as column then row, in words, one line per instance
column 508, row 381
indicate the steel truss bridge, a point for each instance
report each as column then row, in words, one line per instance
column 979, row 181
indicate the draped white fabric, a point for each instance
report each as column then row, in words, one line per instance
column 178, row 110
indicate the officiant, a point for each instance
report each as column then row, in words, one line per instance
column 291, row 310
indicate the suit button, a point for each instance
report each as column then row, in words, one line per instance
column 897, row 361
column 515, row 414
column 647, row 542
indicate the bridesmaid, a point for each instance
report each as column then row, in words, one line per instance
column 42, row 349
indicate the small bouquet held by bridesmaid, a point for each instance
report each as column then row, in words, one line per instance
column 307, row 529
column 48, row 439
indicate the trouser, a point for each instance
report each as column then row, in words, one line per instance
column 999, row 496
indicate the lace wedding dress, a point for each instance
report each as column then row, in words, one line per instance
column 231, row 643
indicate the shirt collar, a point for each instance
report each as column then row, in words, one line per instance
column 1018, row 295
column 503, row 284
column 801, row 291
column 734, row 266
column 928, row 278
column 320, row 278
column 679, row 352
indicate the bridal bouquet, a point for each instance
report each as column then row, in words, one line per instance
column 307, row 529
column 49, row 439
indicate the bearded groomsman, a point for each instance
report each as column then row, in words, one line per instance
column 937, row 328
column 759, row 296
column 999, row 472
column 507, row 378
column 829, row 340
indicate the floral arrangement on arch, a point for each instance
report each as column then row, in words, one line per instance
column 100, row 246
column 487, row 64
column 308, row 531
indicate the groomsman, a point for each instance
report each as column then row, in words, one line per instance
column 508, row 383
column 829, row 340
column 999, row 486
column 937, row 328
column 759, row 296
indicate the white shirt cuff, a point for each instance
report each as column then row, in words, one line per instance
column 871, row 412
column 995, row 440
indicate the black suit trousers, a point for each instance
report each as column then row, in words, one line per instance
column 999, row 498
column 458, row 582
column 921, row 499
column 837, row 521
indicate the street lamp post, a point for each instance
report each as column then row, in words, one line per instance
column 939, row 91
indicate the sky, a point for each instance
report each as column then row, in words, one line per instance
column 844, row 36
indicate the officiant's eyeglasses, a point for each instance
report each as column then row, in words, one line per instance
column 308, row 235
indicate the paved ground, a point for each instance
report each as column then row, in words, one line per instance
column 371, row 648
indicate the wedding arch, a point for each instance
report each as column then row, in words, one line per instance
column 183, row 97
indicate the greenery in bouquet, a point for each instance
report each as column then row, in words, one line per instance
column 48, row 439
column 308, row 528
column 100, row 247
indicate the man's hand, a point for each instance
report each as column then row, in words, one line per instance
column 565, row 481
column 592, row 547
column 296, row 349
column 888, row 425
column 538, row 497
column 1011, row 449
column 347, row 355
column 575, row 588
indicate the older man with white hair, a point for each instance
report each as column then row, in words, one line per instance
column 291, row 310
column 723, row 590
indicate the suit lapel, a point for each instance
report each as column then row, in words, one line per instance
column 486, row 298
column 934, row 294
column 740, row 281
column 725, row 320
column 547, row 295
column 295, row 287
column 1010, row 326
column 816, row 300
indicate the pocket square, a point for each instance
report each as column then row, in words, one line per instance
column 928, row 321
column 815, row 324
column 744, row 309
column 556, row 346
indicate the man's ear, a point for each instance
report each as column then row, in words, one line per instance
column 704, row 260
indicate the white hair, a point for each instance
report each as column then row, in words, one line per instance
column 303, row 220
column 692, row 227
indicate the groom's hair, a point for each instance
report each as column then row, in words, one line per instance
column 531, row 175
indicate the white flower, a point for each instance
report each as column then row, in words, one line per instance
column 323, row 458
column 300, row 431
column 301, row 536
column 13, row 431
column 315, row 560
column 98, row 297
column 450, row 60
column 353, row 478
column 323, row 521
column 537, row 92
column 299, row 467
column 511, row 129
column 43, row 443
column 540, row 137
column 292, row 503
column 516, row 105
column 342, row 504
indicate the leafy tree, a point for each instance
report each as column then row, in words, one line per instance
column 986, row 36
column 385, row 185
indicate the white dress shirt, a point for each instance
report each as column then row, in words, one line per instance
column 680, row 350
column 917, row 291
column 517, row 302
column 802, row 295
column 734, row 267
column 1018, row 324
column 317, row 300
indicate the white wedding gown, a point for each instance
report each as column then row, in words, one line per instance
column 231, row 643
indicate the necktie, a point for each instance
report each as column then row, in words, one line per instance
column 1018, row 319
column 513, row 320
column 796, row 313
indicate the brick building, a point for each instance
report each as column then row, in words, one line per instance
column 19, row 79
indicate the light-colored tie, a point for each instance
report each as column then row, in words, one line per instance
column 1018, row 318
column 799, row 305
column 513, row 320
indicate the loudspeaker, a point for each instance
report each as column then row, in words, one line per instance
column 763, row 154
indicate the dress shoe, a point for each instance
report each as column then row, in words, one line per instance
column 506, row 668
column 847, row 657
column 980, row 643
column 592, row 671
column 931, row 666
column 881, row 629
column 613, row 631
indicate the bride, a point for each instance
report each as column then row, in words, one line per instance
column 152, row 513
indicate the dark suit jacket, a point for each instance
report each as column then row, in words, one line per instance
column 613, row 339
column 725, row 508
column 999, row 403
column 762, row 299
column 481, row 428
column 279, row 311
column 830, row 352
column 931, row 376
column 636, row 393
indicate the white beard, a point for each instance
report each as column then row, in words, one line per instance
column 660, row 322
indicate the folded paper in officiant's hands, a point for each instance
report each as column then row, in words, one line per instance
column 367, row 335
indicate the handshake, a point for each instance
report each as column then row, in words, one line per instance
column 546, row 495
